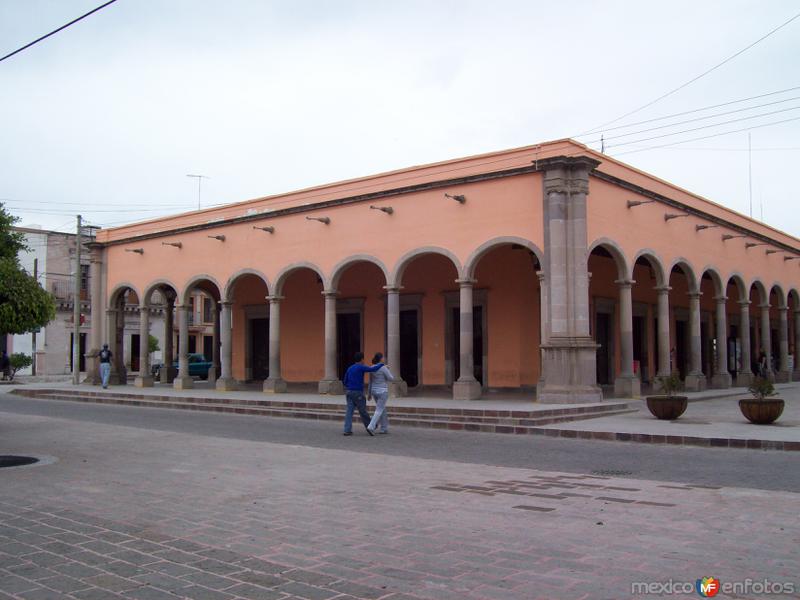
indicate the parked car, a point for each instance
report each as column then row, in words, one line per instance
column 198, row 367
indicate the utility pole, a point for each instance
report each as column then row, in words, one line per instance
column 76, row 310
column 750, row 172
column 33, row 335
column 199, row 182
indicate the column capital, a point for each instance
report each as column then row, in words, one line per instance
column 744, row 303
column 625, row 283
column 393, row 289
column 783, row 308
column 224, row 304
column 183, row 306
column 694, row 295
column 330, row 293
column 274, row 299
column 466, row 282
column 541, row 276
column 764, row 305
column 112, row 311
column 662, row 289
column 144, row 309
column 721, row 299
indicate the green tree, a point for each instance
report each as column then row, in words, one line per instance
column 18, row 361
column 24, row 305
column 152, row 344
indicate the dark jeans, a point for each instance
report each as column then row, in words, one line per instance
column 355, row 400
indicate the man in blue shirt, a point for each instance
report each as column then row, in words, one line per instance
column 354, row 388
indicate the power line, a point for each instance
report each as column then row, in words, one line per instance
column 703, row 74
column 714, row 116
column 17, row 51
column 705, row 137
column 688, row 112
column 663, row 135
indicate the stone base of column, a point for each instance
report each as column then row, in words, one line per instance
column 570, row 369
column 783, row 376
column 398, row 388
column 695, row 382
column 627, row 387
column 183, row 383
column 275, row 386
column 226, row 384
column 92, row 368
column 212, row 376
column 467, row 390
column 334, row 387
column 116, row 377
column 167, row 374
column 721, row 381
column 143, row 381
column 743, row 379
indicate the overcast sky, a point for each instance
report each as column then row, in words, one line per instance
column 107, row 117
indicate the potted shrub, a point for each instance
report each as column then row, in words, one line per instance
column 762, row 408
column 668, row 405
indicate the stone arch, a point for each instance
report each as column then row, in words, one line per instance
column 688, row 271
column 213, row 290
column 760, row 288
column 284, row 274
column 738, row 280
column 158, row 284
column 397, row 275
column 227, row 292
column 120, row 289
column 616, row 253
column 342, row 266
column 654, row 260
column 794, row 296
column 782, row 297
column 479, row 252
column 719, row 286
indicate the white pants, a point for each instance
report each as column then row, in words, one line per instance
column 380, row 415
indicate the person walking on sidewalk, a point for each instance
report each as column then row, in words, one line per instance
column 379, row 389
column 354, row 390
column 105, row 364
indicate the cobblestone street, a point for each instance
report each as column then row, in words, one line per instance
column 136, row 513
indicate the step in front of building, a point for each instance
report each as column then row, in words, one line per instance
column 483, row 420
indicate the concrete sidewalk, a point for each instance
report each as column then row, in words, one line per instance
column 712, row 419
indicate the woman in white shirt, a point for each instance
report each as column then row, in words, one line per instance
column 379, row 389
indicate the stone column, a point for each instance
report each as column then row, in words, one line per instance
column 275, row 383
column 695, row 379
column 144, row 379
column 664, row 367
column 466, row 387
column 96, row 315
column 796, row 370
column 167, row 374
column 783, row 375
column 766, row 338
column 183, row 381
column 330, row 384
column 215, row 369
column 118, row 374
column 226, row 382
column 722, row 377
column 398, row 387
column 569, row 354
column 542, row 324
column 744, row 376
column 627, row 384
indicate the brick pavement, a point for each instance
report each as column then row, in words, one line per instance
column 132, row 513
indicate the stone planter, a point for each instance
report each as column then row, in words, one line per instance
column 761, row 412
column 667, row 408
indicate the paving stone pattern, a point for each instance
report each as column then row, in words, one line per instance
column 133, row 513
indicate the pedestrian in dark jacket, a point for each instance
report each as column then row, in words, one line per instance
column 354, row 390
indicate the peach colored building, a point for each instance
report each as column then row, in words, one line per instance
column 550, row 268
